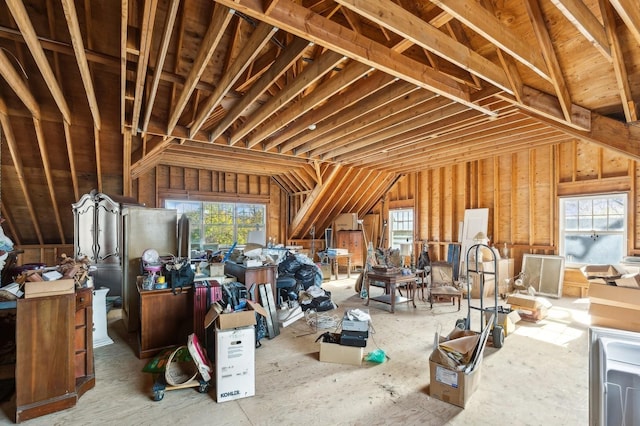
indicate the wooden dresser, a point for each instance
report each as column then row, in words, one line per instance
column 353, row 241
column 54, row 352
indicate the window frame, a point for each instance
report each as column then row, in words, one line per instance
column 624, row 230
column 396, row 244
column 174, row 203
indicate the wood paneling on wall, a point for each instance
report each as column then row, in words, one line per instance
column 521, row 191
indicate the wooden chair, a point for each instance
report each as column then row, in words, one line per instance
column 423, row 272
column 441, row 285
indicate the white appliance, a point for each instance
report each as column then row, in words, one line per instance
column 614, row 377
column 235, row 363
column 100, row 335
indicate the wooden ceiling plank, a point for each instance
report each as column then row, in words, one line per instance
column 491, row 28
column 622, row 78
column 146, row 34
column 548, row 52
column 349, row 74
column 287, row 140
column 81, row 58
column 289, row 56
column 409, row 26
column 586, row 23
column 258, row 39
column 297, row 20
column 630, row 14
column 14, row 151
column 169, row 22
column 21, row 17
column 221, row 18
column 16, row 83
column 50, row 184
column 311, row 73
column 72, row 162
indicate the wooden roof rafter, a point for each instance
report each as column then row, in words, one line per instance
column 221, row 17
column 23, row 21
column 630, row 14
column 617, row 58
column 586, row 23
column 258, row 39
column 16, row 83
column 296, row 19
column 14, row 151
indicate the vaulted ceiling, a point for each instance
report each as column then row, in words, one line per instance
column 325, row 96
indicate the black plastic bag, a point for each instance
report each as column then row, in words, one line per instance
column 306, row 275
column 180, row 275
column 289, row 265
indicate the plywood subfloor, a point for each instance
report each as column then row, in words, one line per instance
column 539, row 377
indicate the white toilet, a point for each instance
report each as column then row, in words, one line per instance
column 100, row 336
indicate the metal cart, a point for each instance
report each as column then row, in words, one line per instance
column 475, row 260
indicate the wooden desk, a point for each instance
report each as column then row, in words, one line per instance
column 259, row 275
column 391, row 282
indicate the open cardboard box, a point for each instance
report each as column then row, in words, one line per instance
column 234, row 319
column 341, row 354
column 530, row 308
column 456, row 383
column 602, row 274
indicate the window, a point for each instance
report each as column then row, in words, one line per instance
column 401, row 230
column 593, row 229
column 220, row 224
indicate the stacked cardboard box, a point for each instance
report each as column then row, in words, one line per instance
column 614, row 298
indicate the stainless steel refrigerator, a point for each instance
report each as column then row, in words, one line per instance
column 143, row 228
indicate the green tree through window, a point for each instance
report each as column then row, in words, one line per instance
column 219, row 224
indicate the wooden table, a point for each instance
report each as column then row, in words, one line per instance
column 333, row 261
column 391, row 283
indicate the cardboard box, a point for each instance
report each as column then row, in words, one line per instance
column 451, row 382
column 216, row 269
column 340, row 354
column 235, row 363
column 325, row 268
column 452, row 386
column 48, row 288
column 507, row 320
column 530, row 308
column 234, row 319
column 614, row 307
column 601, row 274
column 346, row 222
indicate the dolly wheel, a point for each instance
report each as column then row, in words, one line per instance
column 461, row 323
column 497, row 335
column 203, row 388
column 158, row 395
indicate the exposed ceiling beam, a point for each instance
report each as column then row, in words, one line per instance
column 311, row 73
column 72, row 162
column 124, row 25
column 221, row 18
column 548, row 51
column 474, row 16
column 586, row 22
column 14, row 81
column 169, row 21
column 14, row 151
column 145, row 35
column 622, row 78
column 51, row 186
column 347, row 76
column 630, row 14
column 258, row 39
column 290, row 55
column 21, row 17
column 297, row 20
column 81, row 58
column 411, row 27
